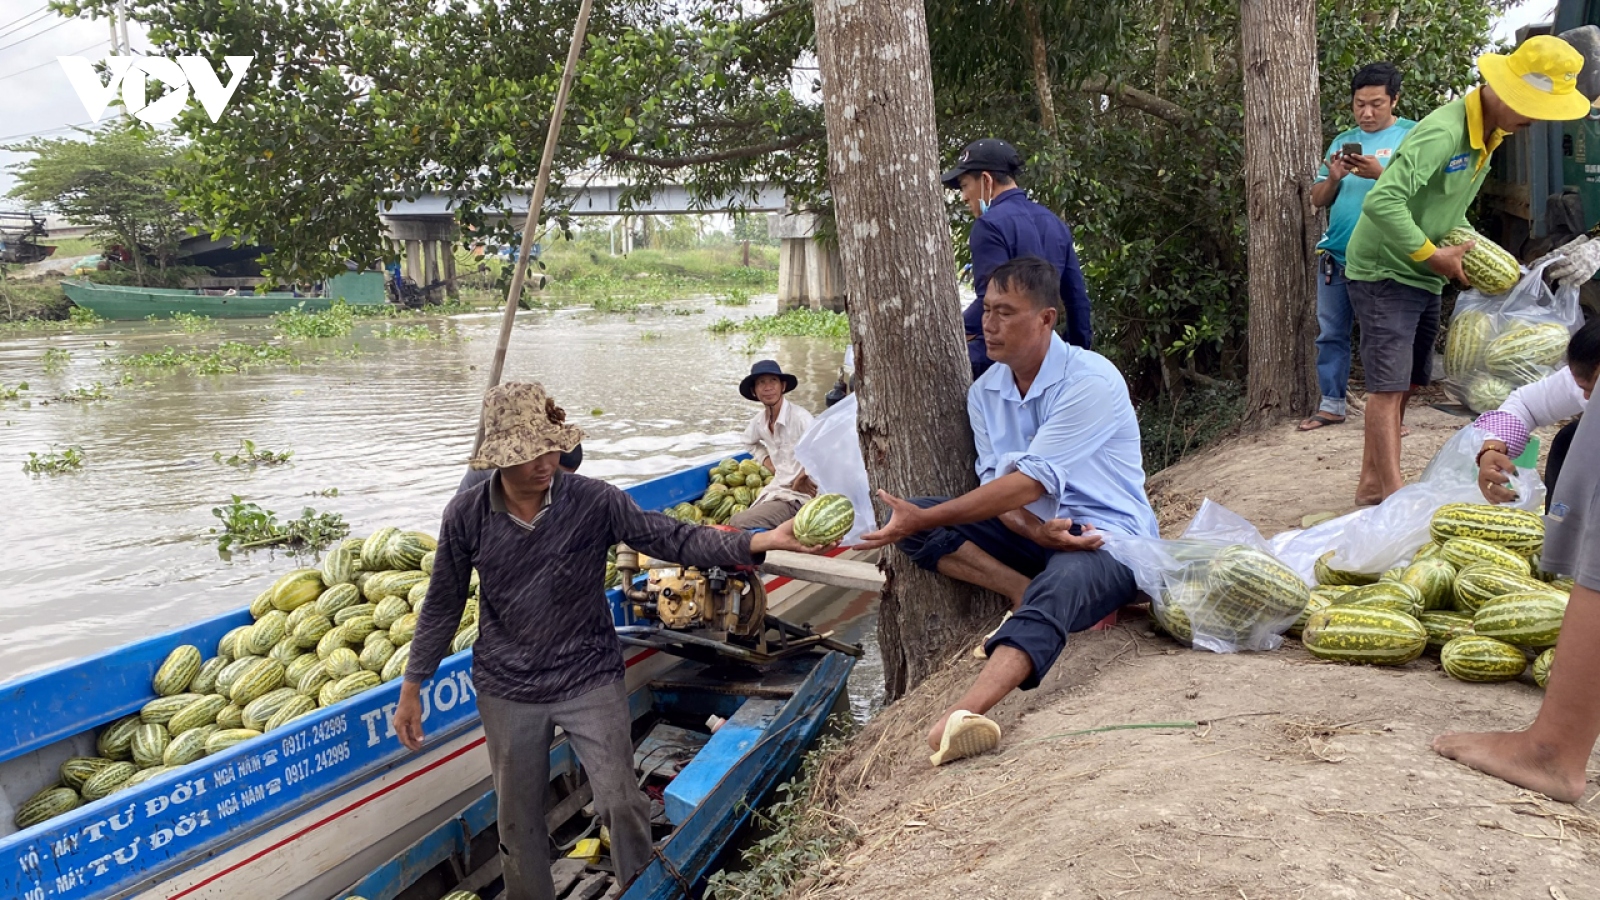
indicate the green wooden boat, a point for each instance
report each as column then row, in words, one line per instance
column 123, row 302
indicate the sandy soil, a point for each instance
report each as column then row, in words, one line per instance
column 1275, row 775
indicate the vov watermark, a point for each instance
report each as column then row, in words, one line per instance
column 179, row 76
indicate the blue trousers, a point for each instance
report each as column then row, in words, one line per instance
column 1071, row 590
column 1334, row 319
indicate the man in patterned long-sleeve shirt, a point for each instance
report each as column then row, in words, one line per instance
column 546, row 654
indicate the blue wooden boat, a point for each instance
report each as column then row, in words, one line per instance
column 770, row 720
column 303, row 812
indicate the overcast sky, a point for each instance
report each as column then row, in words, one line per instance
column 36, row 99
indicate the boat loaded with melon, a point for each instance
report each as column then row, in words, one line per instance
column 252, row 756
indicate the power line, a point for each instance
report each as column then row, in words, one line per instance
column 49, row 62
column 32, row 18
column 36, row 34
column 18, row 137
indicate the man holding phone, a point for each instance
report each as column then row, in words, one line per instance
column 1354, row 161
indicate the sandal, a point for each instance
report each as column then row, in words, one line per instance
column 965, row 734
column 1320, row 419
column 982, row 650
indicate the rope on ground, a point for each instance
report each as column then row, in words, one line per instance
column 1067, row 734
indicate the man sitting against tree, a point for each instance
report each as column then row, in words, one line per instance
column 1059, row 461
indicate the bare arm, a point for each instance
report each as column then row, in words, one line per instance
column 1002, row 495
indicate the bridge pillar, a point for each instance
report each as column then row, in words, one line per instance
column 426, row 240
column 810, row 272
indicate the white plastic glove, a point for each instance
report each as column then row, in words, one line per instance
column 1571, row 265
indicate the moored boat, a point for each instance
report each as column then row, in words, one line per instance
column 126, row 302
column 301, row 812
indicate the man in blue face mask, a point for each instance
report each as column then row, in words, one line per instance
column 1009, row 225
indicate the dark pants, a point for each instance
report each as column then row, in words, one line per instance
column 599, row 727
column 1399, row 324
column 1071, row 590
column 1559, row 445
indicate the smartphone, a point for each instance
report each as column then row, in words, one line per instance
column 1352, row 149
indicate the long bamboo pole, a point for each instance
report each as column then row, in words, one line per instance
column 535, row 207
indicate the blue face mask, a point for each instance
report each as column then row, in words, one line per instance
column 983, row 207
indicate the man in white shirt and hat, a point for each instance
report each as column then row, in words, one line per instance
column 771, row 437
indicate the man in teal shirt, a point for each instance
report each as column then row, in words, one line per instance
column 1395, row 269
column 1342, row 185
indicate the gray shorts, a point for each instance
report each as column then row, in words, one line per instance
column 1399, row 324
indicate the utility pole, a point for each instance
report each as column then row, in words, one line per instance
column 122, row 20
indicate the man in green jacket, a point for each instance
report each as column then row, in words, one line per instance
column 1396, row 272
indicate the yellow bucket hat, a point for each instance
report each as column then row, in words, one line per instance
column 1539, row 79
column 522, row 422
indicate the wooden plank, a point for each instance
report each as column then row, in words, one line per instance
column 845, row 573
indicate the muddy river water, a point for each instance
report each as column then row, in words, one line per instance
column 121, row 548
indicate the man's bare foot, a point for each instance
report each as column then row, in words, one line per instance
column 1514, row 757
column 937, row 734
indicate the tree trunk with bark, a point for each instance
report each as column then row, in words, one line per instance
column 1282, row 135
column 899, row 269
column 1041, row 69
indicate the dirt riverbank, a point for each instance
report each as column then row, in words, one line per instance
column 1142, row 769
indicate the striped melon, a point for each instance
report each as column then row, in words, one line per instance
column 47, row 804
column 1328, row 575
column 262, row 604
column 107, row 780
column 312, row 680
column 1479, row 584
column 150, row 744
column 292, row 709
column 464, row 638
column 1514, row 529
column 312, row 630
column 1364, row 634
column 426, row 563
column 376, row 652
column 189, row 746
column 221, row 740
column 1463, row 552
column 358, row 628
column 300, row 614
column 403, row 630
column 285, row 651
column 419, row 593
column 336, row 598
column 406, row 549
column 205, row 681
column 388, row 610
column 265, row 633
column 823, row 520
column 258, row 711
column 1316, row 600
column 294, row 671
column 333, row 641
column 1402, row 598
column 231, row 672
column 296, row 589
column 177, row 671
column 1485, row 392
column 391, row 584
column 201, row 712
column 1392, row 575
column 264, row 675
column 1474, row 657
column 1433, row 578
column 141, row 776
column 354, row 612
column 461, row 895
column 1541, row 667
column 342, row 662
column 1427, row 551
column 161, row 710
column 1467, row 344
column 1525, row 619
column 375, row 550
column 1444, row 625
column 1488, row 267
column 1527, row 353
column 396, row 666
column 354, row 546
column 228, row 647
column 348, row 687
column 1247, row 590
column 231, row 717
column 339, row 566
column 116, row 741
column 75, row 770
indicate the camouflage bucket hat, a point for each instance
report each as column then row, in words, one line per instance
column 522, row 422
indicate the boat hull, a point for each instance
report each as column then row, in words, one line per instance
column 127, row 303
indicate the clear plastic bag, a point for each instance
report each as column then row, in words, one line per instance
column 1377, row 538
column 830, row 452
column 1194, row 587
column 1498, row 343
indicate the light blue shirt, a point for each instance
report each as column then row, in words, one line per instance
column 1075, row 433
column 1346, row 209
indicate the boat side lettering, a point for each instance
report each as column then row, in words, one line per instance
column 444, row 692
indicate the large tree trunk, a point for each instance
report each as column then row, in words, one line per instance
column 1282, row 134
column 899, row 269
column 1041, row 69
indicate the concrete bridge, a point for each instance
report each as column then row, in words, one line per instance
column 426, row 230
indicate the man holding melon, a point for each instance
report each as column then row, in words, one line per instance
column 1059, row 462
column 1395, row 261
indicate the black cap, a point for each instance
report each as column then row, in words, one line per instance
column 986, row 155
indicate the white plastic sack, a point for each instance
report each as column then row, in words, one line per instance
column 1482, row 382
column 1377, row 538
column 830, row 452
column 1174, row 574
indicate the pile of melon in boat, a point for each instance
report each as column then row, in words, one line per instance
column 320, row 636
